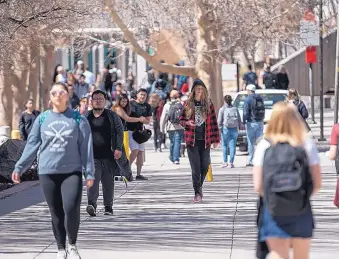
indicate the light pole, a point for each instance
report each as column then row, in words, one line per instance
column 322, row 138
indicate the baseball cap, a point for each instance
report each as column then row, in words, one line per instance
column 251, row 87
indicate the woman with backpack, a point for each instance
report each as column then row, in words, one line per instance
column 201, row 131
column 294, row 97
column 64, row 140
column 170, row 124
column 229, row 122
column 286, row 174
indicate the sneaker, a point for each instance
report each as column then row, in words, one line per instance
column 72, row 252
column 163, row 146
column 224, row 165
column 201, row 193
column 176, row 162
column 197, row 198
column 108, row 211
column 61, row 254
column 91, row 210
column 249, row 165
column 231, row 165
column 141, row 178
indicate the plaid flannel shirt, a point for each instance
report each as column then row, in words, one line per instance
column 212, row 133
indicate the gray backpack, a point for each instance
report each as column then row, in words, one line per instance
column 230, row 116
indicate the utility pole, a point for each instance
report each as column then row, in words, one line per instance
column 336, row 85
column 238, row 76
column 322, row 138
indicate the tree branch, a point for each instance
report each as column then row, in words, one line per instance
column 22, row 23
column 185, row 70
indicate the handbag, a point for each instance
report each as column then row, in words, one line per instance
column 141, row 135
column 336, row 197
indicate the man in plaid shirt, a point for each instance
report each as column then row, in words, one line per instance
column 201, row 131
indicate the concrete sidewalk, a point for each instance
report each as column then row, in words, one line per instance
column 156, row 218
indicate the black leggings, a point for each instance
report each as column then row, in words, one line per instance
column 157, row 135
column 199, row 158
column 63, row 195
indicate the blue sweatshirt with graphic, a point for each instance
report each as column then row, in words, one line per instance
column 64, row 143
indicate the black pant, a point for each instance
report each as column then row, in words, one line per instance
column 157, row 136
column 199, row 158
column 104, row 172
column 63, row 195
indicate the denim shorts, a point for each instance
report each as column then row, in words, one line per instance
column 300, row 226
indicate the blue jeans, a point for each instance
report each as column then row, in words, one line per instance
column 176, row 137
column 229, row 137
column 254, row 131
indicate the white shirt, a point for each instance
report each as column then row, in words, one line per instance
column 310, row 148
column 90, row 78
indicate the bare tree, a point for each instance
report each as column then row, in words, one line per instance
column 210, row 28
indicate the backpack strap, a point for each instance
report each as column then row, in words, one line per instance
column 43, row 116
column 76, row 116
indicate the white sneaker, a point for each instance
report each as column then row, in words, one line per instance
column 61, row 254
column 224, row 165
column 72, row 252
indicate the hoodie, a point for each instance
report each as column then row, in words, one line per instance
column 196, row 83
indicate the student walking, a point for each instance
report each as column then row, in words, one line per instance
column 107, row 130
column 139, row 108
column 170, row 122
column 64, row 139
column 27, row 119
column 294, row 97
column 253, row 117
column 229, row 122
column 286, row 174
column 201, row 131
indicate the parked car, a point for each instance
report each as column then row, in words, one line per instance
column 270, row 97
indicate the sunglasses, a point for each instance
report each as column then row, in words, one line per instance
column 60, row 93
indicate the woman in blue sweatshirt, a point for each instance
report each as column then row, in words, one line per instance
column 64, row 140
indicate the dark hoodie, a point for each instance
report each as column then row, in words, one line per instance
column 301, row 108
column 196, row 83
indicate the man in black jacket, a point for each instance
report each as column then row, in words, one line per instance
column 107, row 133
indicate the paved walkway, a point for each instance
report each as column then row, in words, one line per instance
column 156, row 218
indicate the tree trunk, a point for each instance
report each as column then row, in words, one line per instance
column 207, row 66
column 5, row 99
column 46, row 70
column 33, row 74
column 18, row 83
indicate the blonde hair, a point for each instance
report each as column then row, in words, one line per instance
column 286, row 125
column 293, row 94
column 190, row 106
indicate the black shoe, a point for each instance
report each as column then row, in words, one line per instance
column 91, row 210
column 108, row 210
column 141, row 178
column 249, row 165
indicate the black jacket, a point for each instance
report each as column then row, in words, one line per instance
column 117, row 130
column 26, row 123
column 300, row 105
column 117, row 142
column 282, row 81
